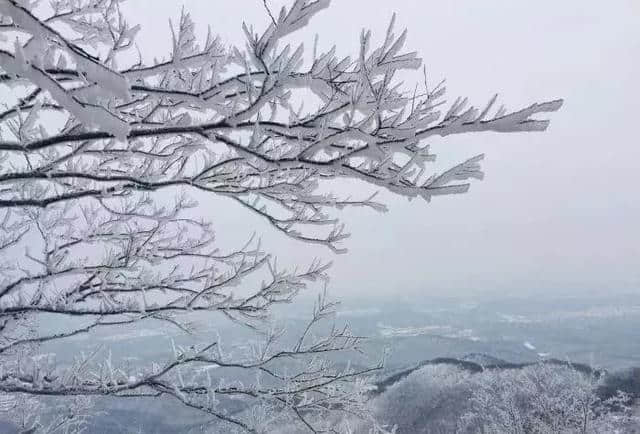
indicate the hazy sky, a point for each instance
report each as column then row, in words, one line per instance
column 558, row 211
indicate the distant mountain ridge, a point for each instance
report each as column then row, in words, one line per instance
column 627, row 381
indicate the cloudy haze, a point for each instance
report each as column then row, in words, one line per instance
column 558, row 211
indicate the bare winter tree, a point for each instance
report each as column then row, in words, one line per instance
column 544, row 399
column 103, row 157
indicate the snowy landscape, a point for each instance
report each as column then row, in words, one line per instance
column 267, row 216
column 449, row 345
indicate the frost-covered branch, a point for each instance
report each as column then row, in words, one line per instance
column 99, row 228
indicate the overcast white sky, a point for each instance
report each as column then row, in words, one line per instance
column 558, row 211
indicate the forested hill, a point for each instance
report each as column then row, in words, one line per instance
column 479, row 393
column 627, row 380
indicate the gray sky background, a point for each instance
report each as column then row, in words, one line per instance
column 558, row 211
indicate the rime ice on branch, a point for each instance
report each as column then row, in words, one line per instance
column 101, row 154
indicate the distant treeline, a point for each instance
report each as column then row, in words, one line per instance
column 627, row 381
